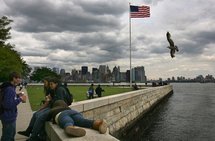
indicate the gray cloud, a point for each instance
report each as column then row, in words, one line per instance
column 47, row 16
column 93, row 32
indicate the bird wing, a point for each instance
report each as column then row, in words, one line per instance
column 171, row 43
column 168, row 36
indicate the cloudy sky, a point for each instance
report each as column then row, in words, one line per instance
column 73, row 33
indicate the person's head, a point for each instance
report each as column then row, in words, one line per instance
column 15, row 78
column 53, row 83
column 46, row 82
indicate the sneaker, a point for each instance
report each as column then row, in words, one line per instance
column 24, row 133
column 75, row 131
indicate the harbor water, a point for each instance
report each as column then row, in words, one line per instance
column 187, row 115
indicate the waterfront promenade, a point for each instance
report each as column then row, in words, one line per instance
column 23, row 119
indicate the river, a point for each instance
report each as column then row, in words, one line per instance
column 187, row 115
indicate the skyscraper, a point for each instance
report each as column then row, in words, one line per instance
column 84, row 70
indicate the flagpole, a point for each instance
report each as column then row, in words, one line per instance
column 130, row 44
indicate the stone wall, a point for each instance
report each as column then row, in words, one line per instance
column 122, row 110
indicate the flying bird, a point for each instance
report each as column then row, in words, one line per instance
column 171, row 46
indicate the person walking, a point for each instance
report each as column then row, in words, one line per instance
column 99, row 90
column 9, row 102
column 91, row 91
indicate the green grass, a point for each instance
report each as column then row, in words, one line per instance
column 36, row 93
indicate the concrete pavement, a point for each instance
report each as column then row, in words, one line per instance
column 23, row 119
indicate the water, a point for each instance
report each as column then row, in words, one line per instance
column 187, row 115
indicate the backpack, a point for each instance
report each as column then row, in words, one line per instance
column 69, row 96
column 2, row 87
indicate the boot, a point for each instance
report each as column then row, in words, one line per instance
column 100, row 125
column 75, row 131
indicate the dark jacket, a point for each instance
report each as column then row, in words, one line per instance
column 10, row 102
column 60, row 93
column 99, row 91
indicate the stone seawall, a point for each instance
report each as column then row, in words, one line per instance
column 120, row 111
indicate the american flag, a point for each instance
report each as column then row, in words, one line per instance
column 139, row 11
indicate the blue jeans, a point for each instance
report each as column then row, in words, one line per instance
column 8, row 131
column 34, row 118
column 38, row 120
column 73, row 118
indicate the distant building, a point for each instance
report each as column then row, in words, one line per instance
column 116, row 74
column 138, row 74
column 127, row 76
column 62, row 72
column 102, row 73
column 56, row 70
column 84, row 70
column 84, row 74
column 122, row 76
column 74, row 74
column 95, row 75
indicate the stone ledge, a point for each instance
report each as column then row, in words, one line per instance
column 55, row 133
column 86, row 105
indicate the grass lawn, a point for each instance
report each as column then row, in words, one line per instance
column 36, row 93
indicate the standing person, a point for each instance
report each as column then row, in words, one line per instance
column 9, row 102
column 99, row 90
column 40, row 117
column 91, row 91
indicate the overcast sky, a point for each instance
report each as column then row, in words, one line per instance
column 73, row 33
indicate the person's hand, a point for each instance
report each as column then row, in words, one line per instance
column 48, row 98
column 20, row 93
column 23, row 98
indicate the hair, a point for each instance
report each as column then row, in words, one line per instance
column 46, row 88
column 14, row 75
column 55, row 80
column 47, row 78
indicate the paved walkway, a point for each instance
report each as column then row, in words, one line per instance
column 23, row 119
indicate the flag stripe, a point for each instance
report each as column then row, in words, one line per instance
column 139, row 11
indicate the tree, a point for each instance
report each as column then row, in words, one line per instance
column 4, row 29
column 10, row 59
column 39, row 74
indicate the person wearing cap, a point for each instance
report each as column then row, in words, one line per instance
column 9, row 102
column 72, row 121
